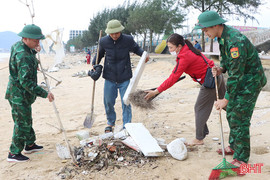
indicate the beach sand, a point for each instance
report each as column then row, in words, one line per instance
column 172, row 118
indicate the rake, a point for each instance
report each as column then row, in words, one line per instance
column 225, row 168
column 57, row 115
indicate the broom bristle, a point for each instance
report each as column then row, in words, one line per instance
column 237, row 170
column 215, row 174
column 137, row 99
column 222, row 173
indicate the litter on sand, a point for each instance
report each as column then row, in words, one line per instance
column 80, row 74
column 177, row 149
column 142, row 137
column 109, row 154
column 62, row 151
column 131, row 147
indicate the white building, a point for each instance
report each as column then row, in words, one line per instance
column 75, row 33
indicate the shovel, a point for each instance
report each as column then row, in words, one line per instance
column 89, row 120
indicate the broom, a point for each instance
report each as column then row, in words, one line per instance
column 225, row 168
column 137, row 97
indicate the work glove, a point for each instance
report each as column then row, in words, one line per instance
column 95, row 72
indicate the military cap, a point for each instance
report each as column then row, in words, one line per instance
column 208, row 19
column 31, row 31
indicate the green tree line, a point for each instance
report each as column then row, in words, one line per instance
column 152, row 18
column 146, row 19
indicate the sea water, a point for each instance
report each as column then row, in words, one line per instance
column 4, row 56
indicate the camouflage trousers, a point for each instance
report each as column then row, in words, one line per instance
column 239, row 114
column 23, row 133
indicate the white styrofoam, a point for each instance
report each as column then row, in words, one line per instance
column 142, row 137
column 136, row 77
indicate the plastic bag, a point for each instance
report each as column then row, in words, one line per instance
column 177, row 149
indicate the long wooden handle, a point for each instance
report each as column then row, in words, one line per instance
column 220, row 122
column 94, row 83
column 100, row 34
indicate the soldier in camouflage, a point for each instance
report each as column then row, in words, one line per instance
column 246, row 79
column 22, row 91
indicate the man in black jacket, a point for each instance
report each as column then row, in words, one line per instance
column 117, row 69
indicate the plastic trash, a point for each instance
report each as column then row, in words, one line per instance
column 62, row 151
column 117, row 128
column 183, row 140
column 90, row 141
column 106, row 135
column 121, row 135
column 82, row 135
column 177, row 149
column 161, row 143
column 92, row 155
column 130, row 143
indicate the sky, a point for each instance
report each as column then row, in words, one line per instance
column 76, row 14
column 52, row 14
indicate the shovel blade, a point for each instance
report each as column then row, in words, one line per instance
column 89, row 121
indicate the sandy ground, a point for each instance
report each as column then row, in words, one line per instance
column 173, row 118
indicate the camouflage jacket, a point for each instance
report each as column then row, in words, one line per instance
column 22, row 86
column 240, row 59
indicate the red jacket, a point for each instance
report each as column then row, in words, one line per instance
column 189, row 63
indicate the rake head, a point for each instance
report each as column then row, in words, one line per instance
column 223, row 170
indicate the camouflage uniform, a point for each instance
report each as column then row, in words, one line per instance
column 22, row 91
column 245, row 81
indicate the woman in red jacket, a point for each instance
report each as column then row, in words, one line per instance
column 191, row 61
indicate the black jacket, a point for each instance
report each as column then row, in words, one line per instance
column 117, row 65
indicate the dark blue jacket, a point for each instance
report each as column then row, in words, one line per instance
column 198, row 46
column 117, row 65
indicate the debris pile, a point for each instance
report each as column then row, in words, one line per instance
column 78, row 62
column 80, row 74
column 130, row 147
column 62, row 65
column 110, row 153
column 58, row 66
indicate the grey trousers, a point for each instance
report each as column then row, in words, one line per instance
column 204, row 105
